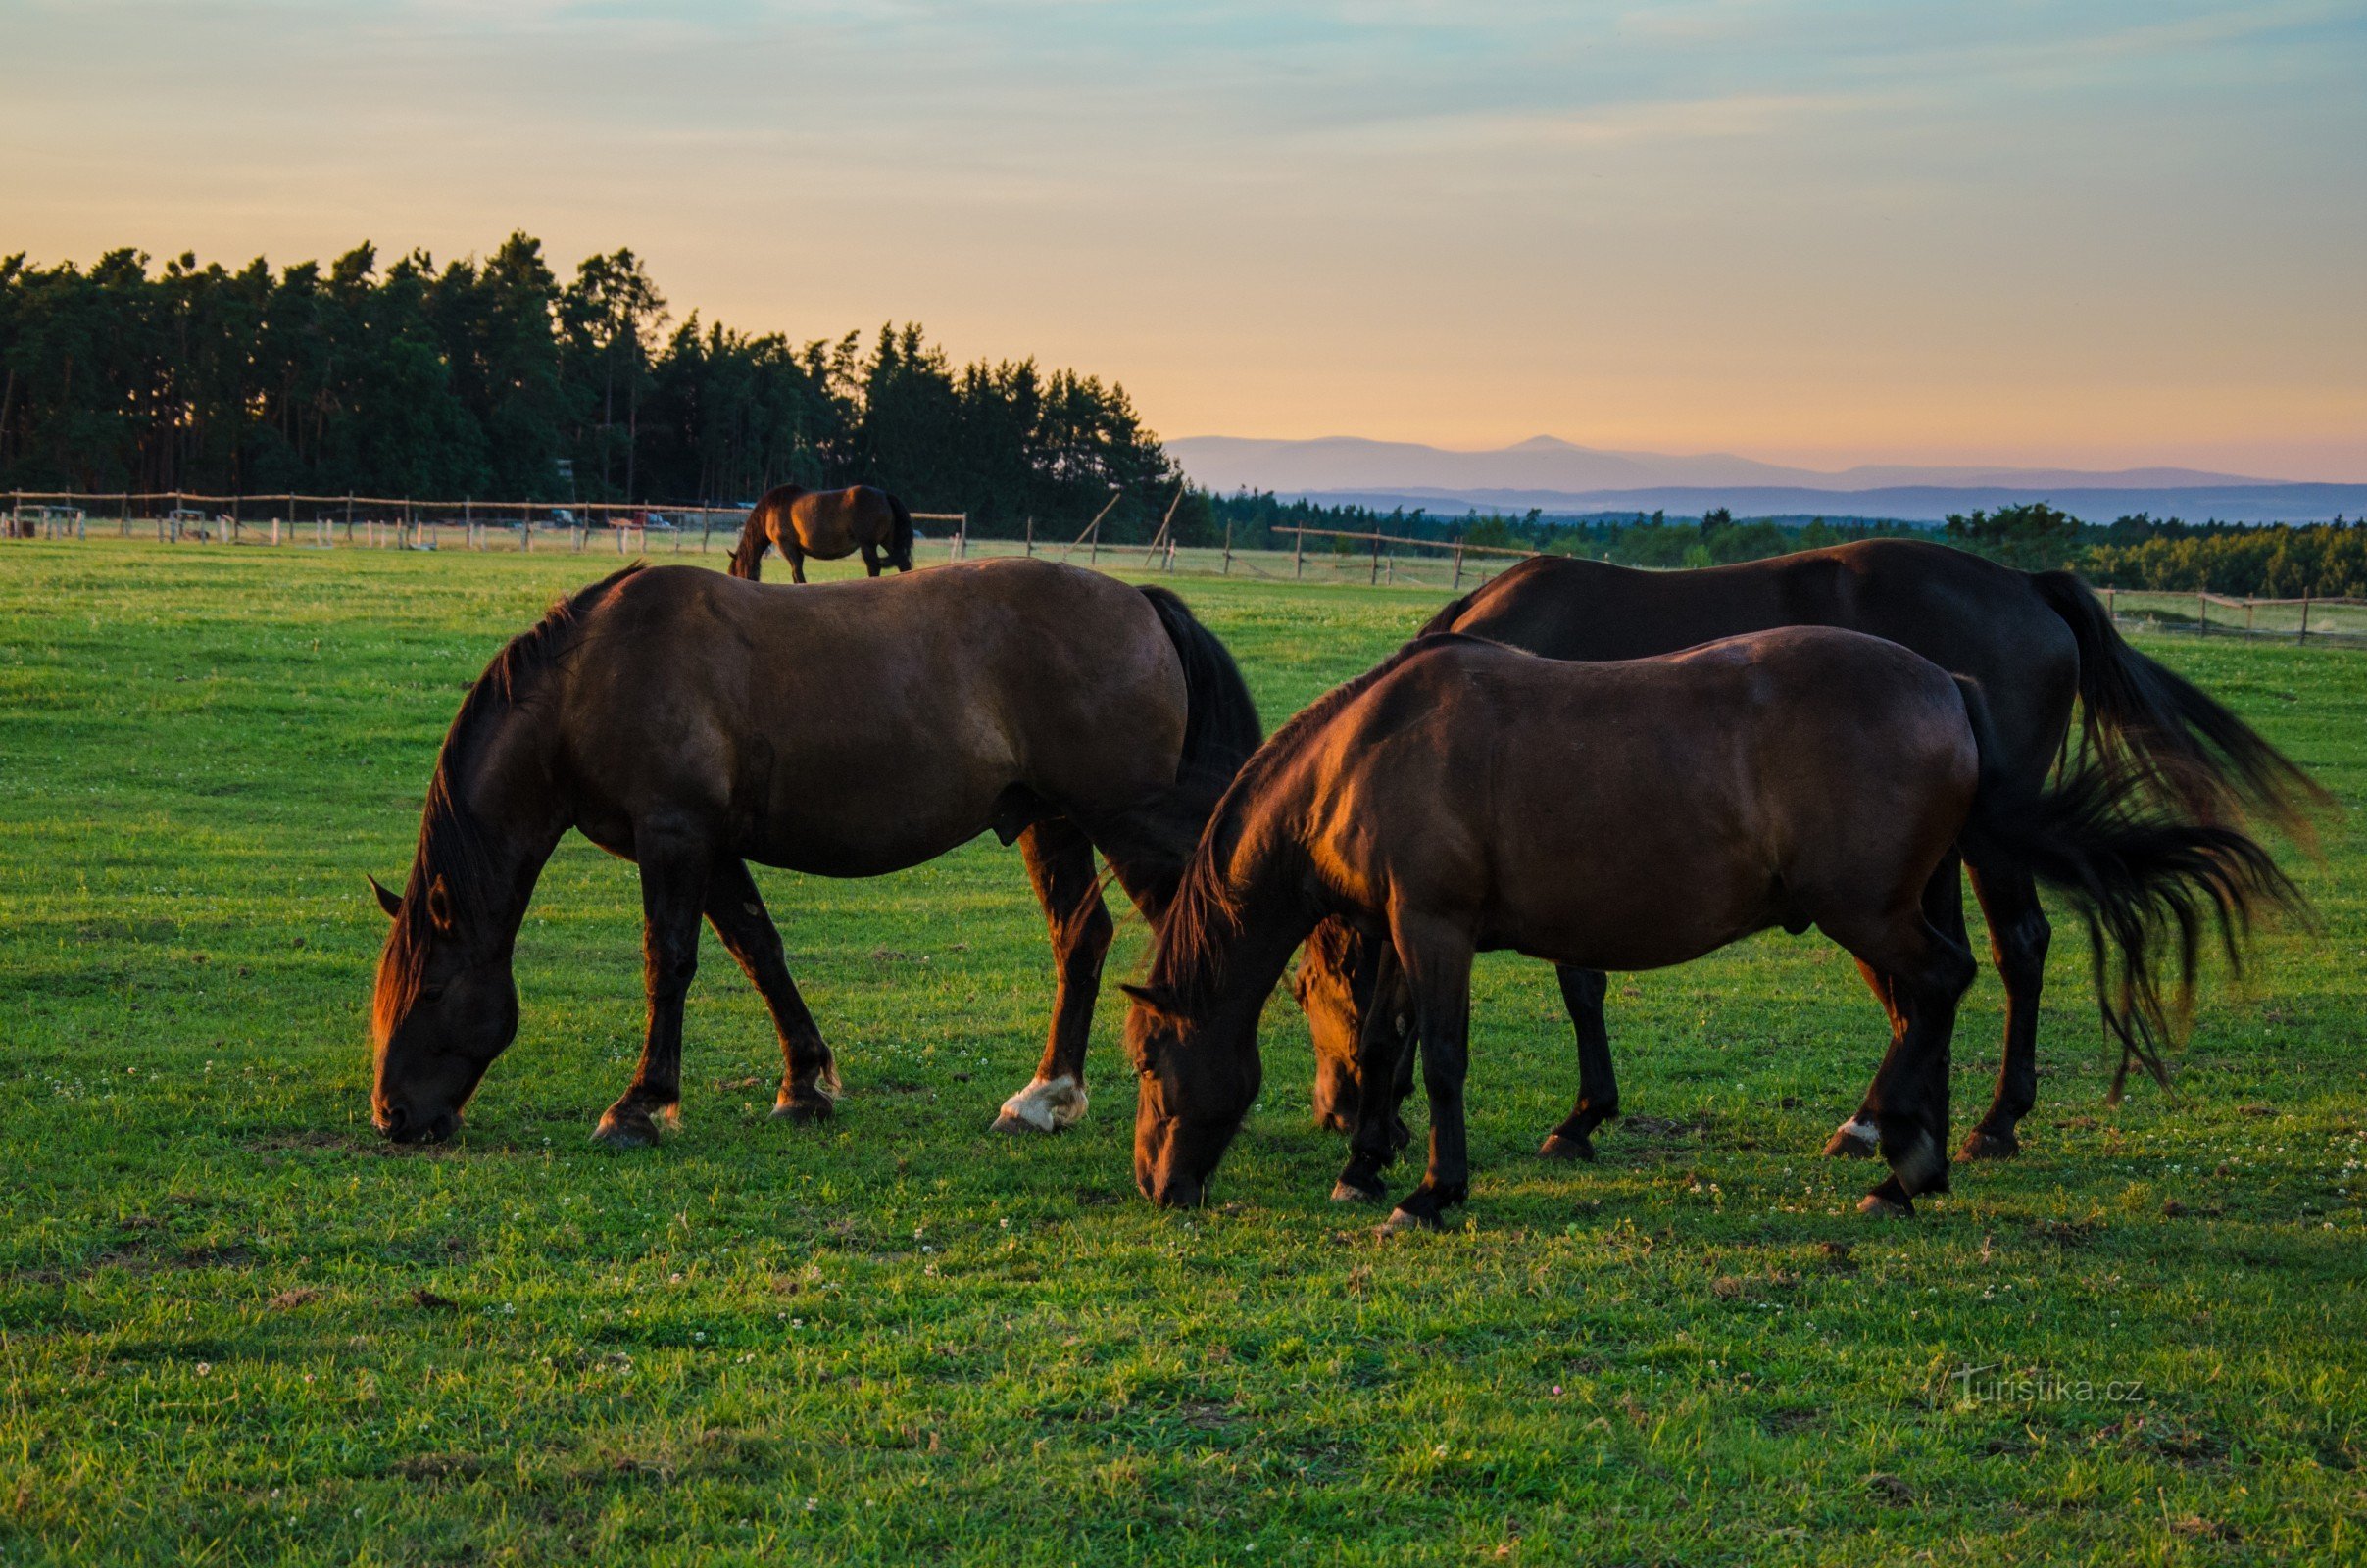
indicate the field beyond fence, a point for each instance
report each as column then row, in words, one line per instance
column 1315, row 555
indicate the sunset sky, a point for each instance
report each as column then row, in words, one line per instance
column 2098, row 234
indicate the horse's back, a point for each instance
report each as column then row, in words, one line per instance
column 1966, row 615
column 919, row 698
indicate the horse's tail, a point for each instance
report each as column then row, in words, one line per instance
column 1222, row 727
column 2149, row 721
column 900, row 535
column 747, row 555
column 2144, row 881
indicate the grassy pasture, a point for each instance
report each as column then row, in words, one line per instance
column 234, row 1327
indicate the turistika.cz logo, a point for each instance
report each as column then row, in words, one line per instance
column 1991, row 1385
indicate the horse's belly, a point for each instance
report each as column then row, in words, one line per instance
column 1627, row 933
column 885, row 834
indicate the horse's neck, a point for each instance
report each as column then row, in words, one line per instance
column 1274, row 915
column 507, row 805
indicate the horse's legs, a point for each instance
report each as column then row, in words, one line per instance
column 797, row 560
column 808, row 1077
column 1381, row 1048
column 870, row 558
column 1582, row 992
column 2018, row 934
column 674, row 873
column 1920, row 975
column 1943, row 906
column 1060, row 865
column 1437, row 956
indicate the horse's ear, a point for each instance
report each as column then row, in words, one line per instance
column 1159, row 998
column 391, row 902
column 439, row 905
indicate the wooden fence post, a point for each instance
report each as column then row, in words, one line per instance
column 1229, row 549
column 1376, row 559
column 1298, row 553
column 2202, row 609
column 2305, row 636
column 1031, row 536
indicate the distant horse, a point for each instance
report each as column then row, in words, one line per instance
column 692, row 723
column 825, row 524
column 1465, row 796
column 2034, row 641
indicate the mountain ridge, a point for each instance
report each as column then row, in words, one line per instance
column 1546, row 462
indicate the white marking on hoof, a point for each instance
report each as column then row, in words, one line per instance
column 1855, row 1139
column 1400, row 1220
column 1345, row 1192
column 1875, row 1207
column 1045, row 1105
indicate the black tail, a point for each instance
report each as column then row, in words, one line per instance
column 2145, row 882
column 1220, row 724
column 900, row 536
column 747, row 555
column 2139, row 717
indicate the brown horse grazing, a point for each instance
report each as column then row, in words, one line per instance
column 1465, row 796
column 692, row 723
column 825, row 524
column 2034, row 641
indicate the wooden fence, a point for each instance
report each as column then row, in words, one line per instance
column 396, row 522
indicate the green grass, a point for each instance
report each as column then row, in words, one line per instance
column 899, row 1338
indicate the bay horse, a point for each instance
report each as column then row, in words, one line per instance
column 2035, row 642
column 826, row 525
column 693, row 724
column 1465, row 796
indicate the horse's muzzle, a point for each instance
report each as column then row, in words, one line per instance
column 400, row 1126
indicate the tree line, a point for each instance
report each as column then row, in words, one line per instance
column 2278, row 560
column 495, row 379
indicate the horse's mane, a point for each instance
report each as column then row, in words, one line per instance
column 1205, row 914
column 452, row 842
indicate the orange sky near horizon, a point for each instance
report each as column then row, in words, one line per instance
column 2102, row 236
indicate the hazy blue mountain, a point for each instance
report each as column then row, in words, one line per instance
column 1546, row 462
column 1560, row 477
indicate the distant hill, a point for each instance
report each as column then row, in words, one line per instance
column 1559, row 478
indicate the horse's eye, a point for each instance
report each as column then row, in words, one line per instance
column 431, row 994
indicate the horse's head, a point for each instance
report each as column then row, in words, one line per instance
column 1199, row 1078
column 1337, row 967
column 445, row 1007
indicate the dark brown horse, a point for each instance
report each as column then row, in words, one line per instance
column 2035, row 642
column 825, row 524
column 1466, row 797
column 692, row 723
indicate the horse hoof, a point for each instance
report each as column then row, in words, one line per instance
column 1559, row 1146
column 1853, row 1139
column 803, row 1111
column 1345, row 1190
column 1042, row 1107
column 625, row 1132
column 1404, row 1220
column 1877, row 1207
column 1983, row 1144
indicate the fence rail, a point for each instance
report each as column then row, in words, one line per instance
column 183, row 515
